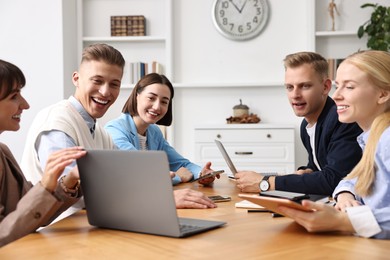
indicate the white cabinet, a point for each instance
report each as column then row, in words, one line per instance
column 256, row 147
column 94, row 27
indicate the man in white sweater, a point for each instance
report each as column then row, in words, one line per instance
column 72, row 122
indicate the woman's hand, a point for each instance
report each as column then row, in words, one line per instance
column 345, row 200
column 322, row 218
column 56, row 164
column 206, row 169
column 184, row 174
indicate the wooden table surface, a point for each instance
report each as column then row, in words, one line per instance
column 245, row 236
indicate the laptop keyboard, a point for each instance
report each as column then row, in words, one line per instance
column 185, row 228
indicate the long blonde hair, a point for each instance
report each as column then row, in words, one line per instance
column 376, row 65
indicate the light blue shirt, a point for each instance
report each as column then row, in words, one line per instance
column 124, row 134
column 379, row 201
column 51, row 141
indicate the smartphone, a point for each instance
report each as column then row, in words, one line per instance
column 294, row 196
column 220, row 198
column 211, row 174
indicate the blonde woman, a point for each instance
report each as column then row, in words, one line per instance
column 363, row 198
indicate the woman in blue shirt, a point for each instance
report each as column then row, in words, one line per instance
column 363, row 198
column 149, row 105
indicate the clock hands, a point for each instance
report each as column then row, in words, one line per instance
column 238, row 9
column 243, row 6
column 235, row 6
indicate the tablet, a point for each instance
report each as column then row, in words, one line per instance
column 272, row 203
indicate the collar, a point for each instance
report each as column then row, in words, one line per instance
column 362, row 139
column 84, row 114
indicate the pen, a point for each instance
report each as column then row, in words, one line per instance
column 276, row 215
column 258, row 210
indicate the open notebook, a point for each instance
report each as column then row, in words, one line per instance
column 132, row 191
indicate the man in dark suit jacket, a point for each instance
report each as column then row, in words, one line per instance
column 336, row 150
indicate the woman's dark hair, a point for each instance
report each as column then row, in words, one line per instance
column 149, row 79
column 10, row 75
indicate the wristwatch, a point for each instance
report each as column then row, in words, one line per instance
column 264, row 184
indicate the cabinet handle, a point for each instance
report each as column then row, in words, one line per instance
column 269, row 135
column 243, row 153
column 218, row 136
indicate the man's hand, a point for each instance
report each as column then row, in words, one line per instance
column 305, row 171
column 191, row 199
column 248, row 181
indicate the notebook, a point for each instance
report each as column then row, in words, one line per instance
column 230, row 163
column 132, row 191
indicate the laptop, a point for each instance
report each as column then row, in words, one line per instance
column 226, row 157
column 230, row 163
column 132, row 191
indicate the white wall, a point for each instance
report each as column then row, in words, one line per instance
column 39, row 36
column 31, row 38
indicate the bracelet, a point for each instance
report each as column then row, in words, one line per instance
column 73, row 190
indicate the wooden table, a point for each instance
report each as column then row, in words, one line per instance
column 245, row 236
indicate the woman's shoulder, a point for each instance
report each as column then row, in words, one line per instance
column 123, row 119
column 385, row 137
column 4, row 148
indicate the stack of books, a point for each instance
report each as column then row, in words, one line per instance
column 128, row 25
column 140, row 69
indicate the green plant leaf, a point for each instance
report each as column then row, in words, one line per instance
column 377, row 28
column 360, row 31
column 367, row 5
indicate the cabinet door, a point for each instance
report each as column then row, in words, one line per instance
column 261, row 150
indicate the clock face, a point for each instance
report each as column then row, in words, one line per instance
column 240, row 19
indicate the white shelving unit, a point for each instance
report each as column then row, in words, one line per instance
column 343, row 41
column 94, row 27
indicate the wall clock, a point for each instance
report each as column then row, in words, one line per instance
column 240, row 19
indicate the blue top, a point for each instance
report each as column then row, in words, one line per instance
column 379, row 200
column 124, row 134
column 336, row 150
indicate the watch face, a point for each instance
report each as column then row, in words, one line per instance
column 240, row 19
column 264, row 185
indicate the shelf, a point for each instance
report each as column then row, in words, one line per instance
column 229, row 85
column 124, row 39
column 94, row 18
column 335, row 33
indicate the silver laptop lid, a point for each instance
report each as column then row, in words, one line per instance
column 132, row 191
column 226, row 156
column 129, row 190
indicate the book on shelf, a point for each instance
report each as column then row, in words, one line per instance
column 140, row 69
column 118, row 26
column 128, row 25
column 136, row 25
column 333, row 64
column 157, row 67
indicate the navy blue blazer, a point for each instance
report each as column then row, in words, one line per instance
column 337, row 152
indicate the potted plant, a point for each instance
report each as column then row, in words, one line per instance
column 377, row 28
